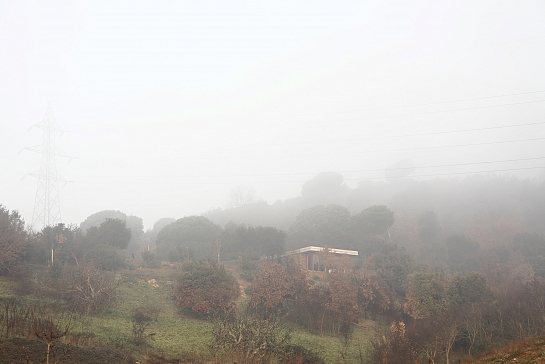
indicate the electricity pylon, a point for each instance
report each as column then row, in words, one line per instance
column 47, row 207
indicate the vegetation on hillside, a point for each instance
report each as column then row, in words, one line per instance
column 436, row 280
column 521, row 352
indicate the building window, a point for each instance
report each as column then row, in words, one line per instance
column 313, row 262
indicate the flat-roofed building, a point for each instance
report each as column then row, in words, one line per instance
column 309, row 257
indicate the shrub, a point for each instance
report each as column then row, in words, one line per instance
column 12, row 238
column 249, row 339
column 394, row 347
column 55, row 271
column 141, row 318
column 87, row 288
column 106, row 257
column 206, row 288
column 248, row 268
column 150, row 259
column 24, row 282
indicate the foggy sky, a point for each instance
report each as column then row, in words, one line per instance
column 170, row 105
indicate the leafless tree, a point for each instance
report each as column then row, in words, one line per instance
column 88, row 288
column 248, row 338
column 50, row 328
column 241, row 195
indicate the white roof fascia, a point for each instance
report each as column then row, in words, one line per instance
column 321, row 249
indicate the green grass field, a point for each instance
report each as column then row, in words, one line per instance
column 177, row 335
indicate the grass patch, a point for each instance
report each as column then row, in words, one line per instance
column 331, row 348
column 176, row 335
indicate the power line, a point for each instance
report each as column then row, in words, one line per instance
column 444, row 111
column 421, row 104
column 345, row 179
column 425, row 148
column 315, row 173
column 455, row 173
column 369, row 138
column 413, row 114
column 322, row 154
column 395, row 136
column 406, row 106
column 408, row 114
column 492, row 44
column 413, row 135
column 457, row 145
column 470, row 99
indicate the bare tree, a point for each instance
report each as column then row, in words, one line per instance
column 88, row 288
column 249, row 339
column 49, row 329
column 449, row 333
column 241, row 195
column 395, row 347
column 472, row 326
column 14, row 317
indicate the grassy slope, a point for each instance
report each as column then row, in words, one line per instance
column 329, row 348
column 177, row 335
column 528, row 352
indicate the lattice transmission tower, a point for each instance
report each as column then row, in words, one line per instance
column 47, row 207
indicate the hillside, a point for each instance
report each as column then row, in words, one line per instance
column 526, row 352
column 174, row 334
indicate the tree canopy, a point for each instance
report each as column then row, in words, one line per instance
column 65, row 240
column 325, row 188
column 429, row 228
column 111, row 232
column 12, row 237
column 196, row 234
column 369, row 229
column 134, row 223
column 319, row 225
column 251, row 242
column 374, row 220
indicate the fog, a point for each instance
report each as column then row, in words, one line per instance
column 169, row 107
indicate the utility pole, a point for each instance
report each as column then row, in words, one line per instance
column 47, row 208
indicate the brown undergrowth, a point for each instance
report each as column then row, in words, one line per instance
column 521, row 352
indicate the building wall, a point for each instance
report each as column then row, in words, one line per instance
column 307, row 260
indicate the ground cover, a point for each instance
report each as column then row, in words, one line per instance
column 173, row 333
column 332, row 349
column 527, row 352
column 20, row 350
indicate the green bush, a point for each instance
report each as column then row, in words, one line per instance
column 206, row 288
column 150, row 259
column 55, row 271
column 24, row 279
column 248, row 268
column 106, row 257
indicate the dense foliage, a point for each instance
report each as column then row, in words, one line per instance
column 251, row 242
column 447, row 269
column 133, row 223
column 207, row 289
column 112, row 232
column 12, row 237
column 187, row 238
